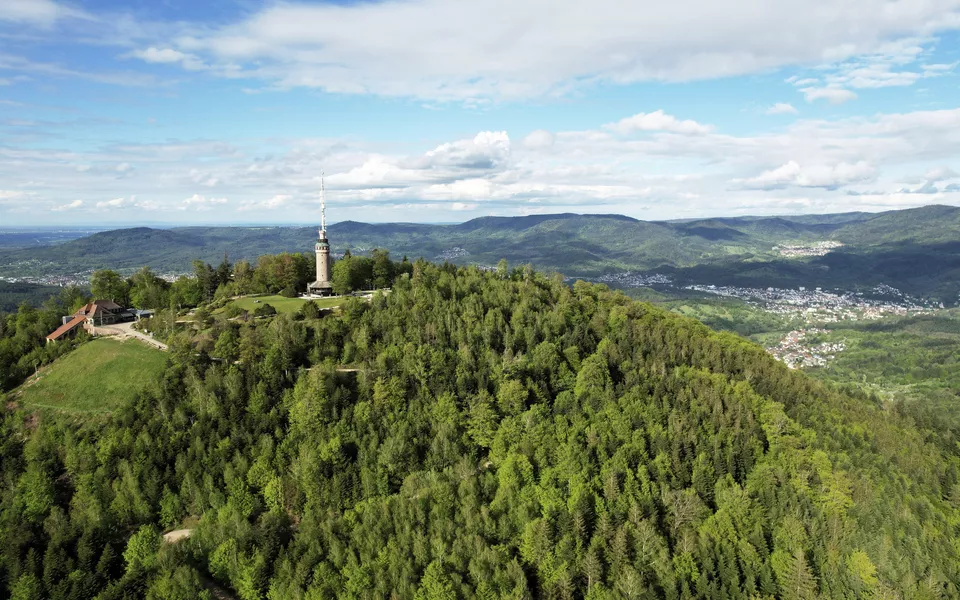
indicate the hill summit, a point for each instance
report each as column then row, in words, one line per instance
column 477, row 434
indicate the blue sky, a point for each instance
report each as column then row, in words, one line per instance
column 180, row 111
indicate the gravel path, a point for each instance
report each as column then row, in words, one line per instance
column 126, row 331
column 177, row 535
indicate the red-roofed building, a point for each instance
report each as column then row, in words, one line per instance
column 95, row 314
column 68, row 329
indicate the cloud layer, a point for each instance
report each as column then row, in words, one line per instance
column 470, row 51
column 620, row 130
column 650, row 165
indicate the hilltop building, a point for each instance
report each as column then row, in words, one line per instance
column 323, row 286
column 95, row 314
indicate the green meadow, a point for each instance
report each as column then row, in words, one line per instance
column 97, row 377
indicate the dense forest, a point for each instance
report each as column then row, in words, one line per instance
column 480, row 434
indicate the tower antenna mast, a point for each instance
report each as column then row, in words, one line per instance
column 323, row 206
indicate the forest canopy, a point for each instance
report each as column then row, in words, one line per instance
column 478, row 435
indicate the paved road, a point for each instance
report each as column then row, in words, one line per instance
column 126, row 331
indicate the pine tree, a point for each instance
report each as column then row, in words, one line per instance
column 794, row 576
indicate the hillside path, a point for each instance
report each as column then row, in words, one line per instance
column 175, row 536
column 125, row 331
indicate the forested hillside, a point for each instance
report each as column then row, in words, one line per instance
column 480, row 435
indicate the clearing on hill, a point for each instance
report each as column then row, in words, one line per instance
column 95, row 378
column 282, row 304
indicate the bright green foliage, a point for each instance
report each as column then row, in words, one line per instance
column 794, row 575
column 27, row 587
column 352, row 273
column 142, row 548
column 35, row 493
column 436, row 584
column 183, row 583
column 110, row 285
column 492, row 437
column 147, row 290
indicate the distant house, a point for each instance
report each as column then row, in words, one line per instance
column 95, row 314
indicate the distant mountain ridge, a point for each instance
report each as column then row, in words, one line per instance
column 721, row 249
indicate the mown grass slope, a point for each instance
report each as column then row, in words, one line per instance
column 97, row 377
column 282, row 304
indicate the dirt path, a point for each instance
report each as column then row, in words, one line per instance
column 126, row 331
column 175, row 536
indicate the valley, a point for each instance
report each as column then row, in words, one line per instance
column 915, row 250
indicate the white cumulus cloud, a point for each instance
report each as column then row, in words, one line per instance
column 814, row 176
column 541, row 139
column 198, row 202
column 781, row 108
column 940, row 173
column 127, row 203
column 513, row 49
column 273, row 203
column 68, row 206
column 833, row 95
column 169, row 56
column 37, row 12
column 657, row 121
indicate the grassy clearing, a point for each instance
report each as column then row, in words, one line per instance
column 283, row 305
column 95, row 378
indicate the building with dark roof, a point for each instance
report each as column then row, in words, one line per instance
column 68, row 329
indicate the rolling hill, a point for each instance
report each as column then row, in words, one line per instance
column 500, row 436
column 916, row 248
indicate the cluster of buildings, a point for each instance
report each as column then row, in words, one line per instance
column 75, row 279
column 821, row 306
column 632, row 279
column 452, row 254
column 98, row 313
column 812, row 249
column 78, row 279
column 797, row 353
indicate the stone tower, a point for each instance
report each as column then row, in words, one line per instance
column 322, row 285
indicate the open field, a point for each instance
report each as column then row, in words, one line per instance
column 95, row 378
column 282, row 304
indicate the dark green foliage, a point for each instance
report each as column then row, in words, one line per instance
column 264, row 310
column 309, row 310
column 13, row 295
column 495, row 437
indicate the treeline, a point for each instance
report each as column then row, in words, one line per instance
column 23, row 334
column 285, row 273
column 12, row 295
column 496, row 435
column 23, row 347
